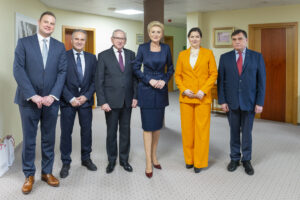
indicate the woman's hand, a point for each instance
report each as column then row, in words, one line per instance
column 153, row 82
column 189, row 93
column 200, row 95
column 161, row 84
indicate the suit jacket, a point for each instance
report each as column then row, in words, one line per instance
column 201, row 77
column 112, row 85
column 72, row 84
column 29, row 72
column 154, row 68
column 243, row 91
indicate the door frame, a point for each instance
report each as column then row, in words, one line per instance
column 254, row 41
column 171, row 82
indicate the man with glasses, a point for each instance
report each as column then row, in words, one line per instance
column 116, row 89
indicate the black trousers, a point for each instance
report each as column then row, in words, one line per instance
column 114, row 119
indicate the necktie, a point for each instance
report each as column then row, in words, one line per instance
column 79, row 67
column 239, row 63
column 121, row 61
column 45, row 52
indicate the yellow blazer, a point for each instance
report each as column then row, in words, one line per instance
column 201, row 77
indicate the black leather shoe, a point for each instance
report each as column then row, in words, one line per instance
column 64, row 172
column 189, row 166
column 233, row 165
column 197, row 170
column 126, row 166
column 110, row 167
column 248, row 167
column 89, row 165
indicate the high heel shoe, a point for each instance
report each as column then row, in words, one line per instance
column 149, row 174
column 158, row 166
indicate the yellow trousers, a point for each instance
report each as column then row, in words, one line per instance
column 195, row 124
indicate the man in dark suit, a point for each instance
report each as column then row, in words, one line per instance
column 116, row 94
column 40, row 71
column 241, row 93
column 77, row 97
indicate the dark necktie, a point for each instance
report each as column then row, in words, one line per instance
column 79, row 67
column 239, row 63
column 121, row 61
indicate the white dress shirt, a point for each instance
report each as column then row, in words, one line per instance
column 117, row 55
column 41, row 42
column 81, row 58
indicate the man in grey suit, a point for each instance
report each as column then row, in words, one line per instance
column 116, row 89
column 40, row 70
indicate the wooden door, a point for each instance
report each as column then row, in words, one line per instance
column 278, row 42
column 273, row 49
column 169, row 41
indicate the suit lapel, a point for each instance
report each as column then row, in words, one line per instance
column 50, row 52
column 127, row 59
column 114, row 59
column 73, row 63
column 37, row 49
column 233, row 61
column 200, row 54
column 246, row 61
column 86, row 70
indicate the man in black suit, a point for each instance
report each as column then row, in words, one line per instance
column 77, row 97
column 116, row 94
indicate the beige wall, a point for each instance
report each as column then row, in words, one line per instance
column 241, row 19
column 10, row 122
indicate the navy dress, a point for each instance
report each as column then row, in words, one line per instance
column 152, row 101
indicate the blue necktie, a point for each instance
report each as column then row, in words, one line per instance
column 79, row 67
column 45, row 52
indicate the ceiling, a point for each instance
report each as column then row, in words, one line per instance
column 175, row 10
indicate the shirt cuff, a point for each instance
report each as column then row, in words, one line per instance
column 72, row 100
column 54, row 97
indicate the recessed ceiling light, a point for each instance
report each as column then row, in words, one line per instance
column 129, row 12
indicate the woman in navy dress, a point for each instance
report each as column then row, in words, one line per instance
column 153, row 89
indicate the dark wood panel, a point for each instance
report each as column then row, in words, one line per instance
column 273, row 48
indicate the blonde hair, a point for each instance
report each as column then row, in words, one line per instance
column 155, row 23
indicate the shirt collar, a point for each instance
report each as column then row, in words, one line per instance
column 75, row 52
column 40, row 37
column 116, row 50
column 244, row 51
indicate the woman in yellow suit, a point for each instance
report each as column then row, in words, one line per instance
column 195, row 75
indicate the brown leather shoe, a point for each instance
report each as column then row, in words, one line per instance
column 50, row 179
column 27, row 187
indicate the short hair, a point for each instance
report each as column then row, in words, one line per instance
column 155, row 23
column 119, row 30
column 238, row 31
column 79, row 31
column 195, row 29
column 47, row 13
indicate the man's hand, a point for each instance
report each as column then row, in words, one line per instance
column 106, row 107
column 258, row 109
column 189, row 93
column 38, row 100
column 225, row 107
column 47, row 100
column 200, row 95
column 82, row 99
column 134, row 103
column 75, row 102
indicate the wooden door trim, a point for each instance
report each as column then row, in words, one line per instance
column 291, row 65
column 172, row 54
column 64, row 28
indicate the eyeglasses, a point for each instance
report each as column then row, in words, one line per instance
column 118, row 38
